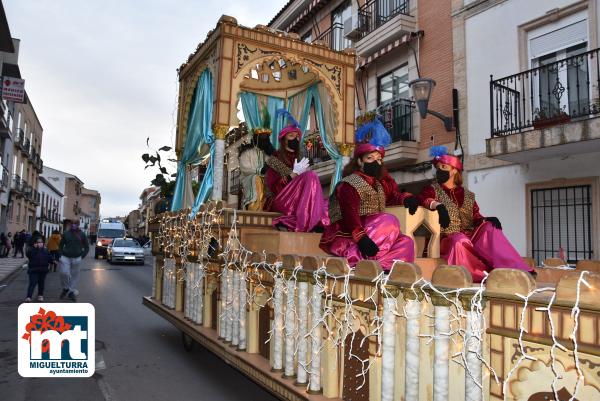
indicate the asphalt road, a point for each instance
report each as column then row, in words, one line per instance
column 143, row 354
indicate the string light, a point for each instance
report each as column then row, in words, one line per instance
column 331, row 310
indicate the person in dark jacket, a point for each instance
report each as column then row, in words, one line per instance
column 19, row 244
column 38, row 266
column 73, row 247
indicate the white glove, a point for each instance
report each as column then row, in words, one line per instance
column 301, row 166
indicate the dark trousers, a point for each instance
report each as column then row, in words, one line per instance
column 19, row 249
column 36, row 279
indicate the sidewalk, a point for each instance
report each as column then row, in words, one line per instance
column 9, row 265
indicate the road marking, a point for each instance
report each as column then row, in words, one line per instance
column 105, row 389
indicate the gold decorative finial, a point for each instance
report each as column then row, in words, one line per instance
column 346, row 149
column 220, row 130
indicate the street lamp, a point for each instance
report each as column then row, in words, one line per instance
column 421, row 89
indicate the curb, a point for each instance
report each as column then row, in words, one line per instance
column 13, row 273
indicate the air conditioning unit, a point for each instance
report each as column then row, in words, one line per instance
column 352, row 27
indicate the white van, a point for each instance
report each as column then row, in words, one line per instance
column 107, row 231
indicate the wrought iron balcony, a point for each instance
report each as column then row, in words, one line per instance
column 397, row 118
column 548, row 95
column 376, row 13
column 35, row 196
column 15, row 184
column 334, row 37
column 20, row 138
column 5, row 181
column 25, row 148
column 315, row 150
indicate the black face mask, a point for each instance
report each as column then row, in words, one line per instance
column 293, row 144
column 372, row 169
column 441, row 176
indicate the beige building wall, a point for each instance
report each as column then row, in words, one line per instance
column 90, row 206
column 25, row 168
column 72, row 207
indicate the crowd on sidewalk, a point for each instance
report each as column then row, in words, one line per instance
column 64, row 252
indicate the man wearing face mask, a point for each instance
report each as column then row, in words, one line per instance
column 468, row 238
column 360, row 229
column 292, row 189
column 73, row 247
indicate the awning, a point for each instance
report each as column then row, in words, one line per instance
column 388, row 48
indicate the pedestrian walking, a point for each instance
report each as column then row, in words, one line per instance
column 73, row 247
column 2, row 244
column 8, row 245
column 19, row 244
column 53, row 244
column 37, row 268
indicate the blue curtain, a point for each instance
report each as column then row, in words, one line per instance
column 277, row 124
column 198, row 134
column 253, row 117
column 250, row 110
column 207, row 182
column 313, row 96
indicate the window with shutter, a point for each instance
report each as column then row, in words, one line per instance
column 561, row 222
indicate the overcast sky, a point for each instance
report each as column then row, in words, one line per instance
column 101, row 75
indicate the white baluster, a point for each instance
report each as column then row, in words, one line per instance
column 235, row 337
column 302, row 330
column 413, row 343
column 314, row 385
column 290, row 328
column 243, row 314
column 277, row 334
column 229, row 307
column 473, row 347
column 388, row 357
column 223, row 303
column 441, row 353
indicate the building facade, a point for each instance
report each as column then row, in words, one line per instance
column 79, row 204
column 531, row 120
column 8, row 57
column 26, row 167
column 20, row 148
column 90, row 205
column 49, row 212
column 395, row 43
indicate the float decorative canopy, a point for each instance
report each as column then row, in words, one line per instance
column 266, row 61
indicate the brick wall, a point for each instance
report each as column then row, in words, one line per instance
column 436, row 62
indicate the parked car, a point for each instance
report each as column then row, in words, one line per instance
column 125, row 250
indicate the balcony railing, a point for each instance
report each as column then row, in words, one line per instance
column 397, row 118
column 15, row 184
column 26, row 146
column 334, row 37
column 551, row 94
column 5, row 181
column 376, row 13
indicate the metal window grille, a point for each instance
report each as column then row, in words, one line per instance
column 561, row 218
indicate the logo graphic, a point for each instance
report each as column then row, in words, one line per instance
column 56, row 340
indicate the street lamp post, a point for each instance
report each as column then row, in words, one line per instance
column 421, row 89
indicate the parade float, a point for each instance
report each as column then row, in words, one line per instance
column 303, row 324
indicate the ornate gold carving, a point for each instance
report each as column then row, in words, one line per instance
column 391, row 291
column 438, row 300
column 220, row 131
column 346, row 149
column 245, row 53
column 410, row 295
column 262, row 131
